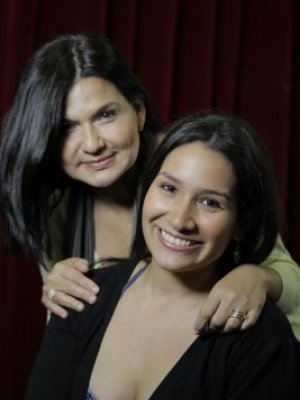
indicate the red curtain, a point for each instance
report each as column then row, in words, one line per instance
column 234, row 56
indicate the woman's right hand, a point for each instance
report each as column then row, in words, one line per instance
column 66, row 285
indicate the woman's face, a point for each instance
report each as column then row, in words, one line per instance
column 190, row 209
column 101, row 140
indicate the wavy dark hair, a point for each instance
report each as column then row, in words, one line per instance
column 257, row 196
column 29, row 168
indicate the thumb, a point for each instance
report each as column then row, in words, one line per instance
column 80, row 264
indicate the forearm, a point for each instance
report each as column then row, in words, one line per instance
column 281, row 263
column 289, row 299
column 273, row 282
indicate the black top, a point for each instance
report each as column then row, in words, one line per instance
column 260, row 363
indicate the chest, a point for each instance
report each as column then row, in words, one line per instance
column 134, row 358
column 113, row 231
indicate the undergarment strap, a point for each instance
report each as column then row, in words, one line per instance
column 134, row 278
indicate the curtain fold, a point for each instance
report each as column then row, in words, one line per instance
column 240, row 57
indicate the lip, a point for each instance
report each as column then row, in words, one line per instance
column 100, row 163
column 175, row 247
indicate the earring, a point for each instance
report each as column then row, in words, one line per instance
column 236, row 253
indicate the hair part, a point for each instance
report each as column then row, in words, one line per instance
column 30, row 171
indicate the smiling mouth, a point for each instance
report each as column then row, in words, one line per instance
column 100, row 163
column 178, row 242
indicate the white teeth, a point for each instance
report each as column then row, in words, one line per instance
column 176, row 241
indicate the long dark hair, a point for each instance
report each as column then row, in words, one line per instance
column 256, row 186
column 29, row 168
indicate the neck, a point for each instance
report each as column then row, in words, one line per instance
column 121, row 193
column 191, row 283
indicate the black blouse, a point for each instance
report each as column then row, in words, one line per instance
column 260, row 363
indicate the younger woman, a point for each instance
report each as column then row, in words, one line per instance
column 208, row 196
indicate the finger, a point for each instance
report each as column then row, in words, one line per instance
column 80, row 264
column 57, row 310
column 54, row 308
column 205, row 314
column 220, row 318
column 232, row 324
column 219, row 315
column 74, row 277
column 65, row 300
column 74, row 291
column 252, row 317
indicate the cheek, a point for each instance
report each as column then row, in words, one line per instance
column 154, row 206
column 220, row 229
column 68, row 148
column 135, row 146
column 66, row 162
column 147, row 209
column 127, row 141
column 65, row 155
column 150, row 212
column 124, row 132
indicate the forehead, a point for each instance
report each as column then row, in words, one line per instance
column 91, row 92
column 198, row 165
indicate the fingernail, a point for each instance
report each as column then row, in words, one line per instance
column 95, row 289
column 92, row 299
column 79, row 307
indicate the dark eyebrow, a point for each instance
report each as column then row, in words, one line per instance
column 94, row 116
column 168, row 176
column 205, row 191
column 102, row 109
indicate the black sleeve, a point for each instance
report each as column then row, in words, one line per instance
column 264, row 364
column 65, row 340
column 52, row 374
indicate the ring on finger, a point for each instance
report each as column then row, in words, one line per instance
column 51, row 294
column 236, row 313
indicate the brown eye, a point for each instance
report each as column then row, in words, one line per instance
column 168, row 188
column 210, row 203
column 106, row 114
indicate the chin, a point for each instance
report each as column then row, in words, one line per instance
column 99, row 182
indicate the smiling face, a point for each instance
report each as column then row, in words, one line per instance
column 101, row 132
column 190, row 210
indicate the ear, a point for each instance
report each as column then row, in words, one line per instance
column 141, row 113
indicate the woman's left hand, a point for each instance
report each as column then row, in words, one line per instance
column 243, row 291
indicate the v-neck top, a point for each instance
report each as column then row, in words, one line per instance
column 259, row 363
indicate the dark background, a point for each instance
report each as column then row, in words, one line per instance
column 237, row 56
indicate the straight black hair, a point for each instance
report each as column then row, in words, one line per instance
column 256, row 185
column 30, row 172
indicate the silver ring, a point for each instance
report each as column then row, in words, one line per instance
column 241, row 315
column 51, row 294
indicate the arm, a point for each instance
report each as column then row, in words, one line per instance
column 51, row 377
column 280, row 262
column 246, row 288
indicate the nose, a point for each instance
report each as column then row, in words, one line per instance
column 92, row 140
column 183, row 218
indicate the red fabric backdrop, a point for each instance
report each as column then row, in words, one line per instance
column 231, row 55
